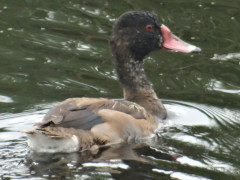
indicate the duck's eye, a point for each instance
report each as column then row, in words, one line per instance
column 149, row 27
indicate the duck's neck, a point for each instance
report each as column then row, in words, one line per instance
column 136, row 87
column 131, row 73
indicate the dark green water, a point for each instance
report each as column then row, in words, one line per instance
column 53, row 50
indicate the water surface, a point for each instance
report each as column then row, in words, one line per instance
column 53, row 50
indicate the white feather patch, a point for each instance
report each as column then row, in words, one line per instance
column 42, row 143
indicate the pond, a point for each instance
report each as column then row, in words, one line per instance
column 53, row 50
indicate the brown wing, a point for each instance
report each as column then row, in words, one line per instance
column 82, row 113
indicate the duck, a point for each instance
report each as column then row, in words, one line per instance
column 81, row 124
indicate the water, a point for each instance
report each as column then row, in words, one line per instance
column 53, row 50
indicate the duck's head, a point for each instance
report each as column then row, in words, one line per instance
column 142, row 32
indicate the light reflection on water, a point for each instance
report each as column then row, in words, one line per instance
column 179, row 175
column 225, row 57
column 5, row 99
column 226, row 88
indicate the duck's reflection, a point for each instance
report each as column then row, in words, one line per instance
column 111, row 160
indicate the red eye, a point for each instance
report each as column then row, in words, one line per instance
column 149, row 27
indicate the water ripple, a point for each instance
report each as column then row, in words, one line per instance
column 6, row 99
column 225, row 57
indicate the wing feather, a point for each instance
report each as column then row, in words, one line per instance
column 82, row 113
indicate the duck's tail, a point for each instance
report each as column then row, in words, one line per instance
column 59, row 139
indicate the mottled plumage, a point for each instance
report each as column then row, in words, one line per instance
column 79, row 124
column 95, row 121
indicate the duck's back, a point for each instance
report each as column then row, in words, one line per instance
column 81, row 123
